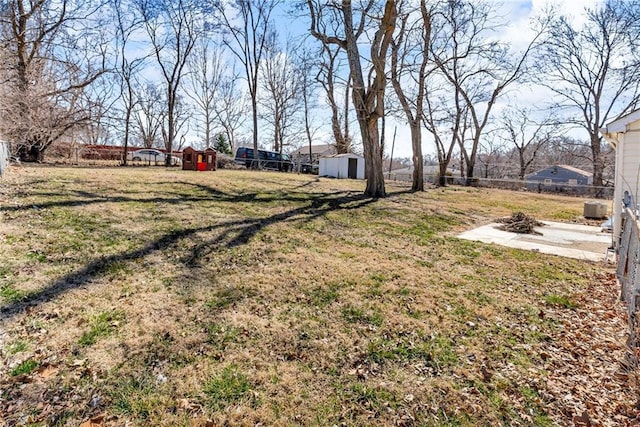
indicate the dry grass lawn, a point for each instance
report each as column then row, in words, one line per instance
column 153, row 296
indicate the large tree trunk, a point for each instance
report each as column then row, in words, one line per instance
column 470, row 180
column 523, row 166
column 596, row 154
column 471, row 161
column 336, row 127
column 170, row 129
column 125, row 146
column 373, row 159
column 418, row 162
column 127, row 123
column 254, row 105
column 368, row 99
column 444, row 158
column 207, row 129
column 442, row 179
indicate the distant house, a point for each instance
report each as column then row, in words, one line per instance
column 558, row 176
column 342, row 166
column 199, row 160
column 624, row 136
column 301, row 155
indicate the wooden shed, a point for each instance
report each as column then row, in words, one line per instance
column 624, row 136
column 199, row 160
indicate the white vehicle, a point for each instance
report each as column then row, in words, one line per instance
column 151, row 156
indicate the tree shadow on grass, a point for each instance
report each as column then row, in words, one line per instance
column 85, row 198
column 233, row 234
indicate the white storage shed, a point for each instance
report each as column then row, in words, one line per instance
column 624, row 135
column 342, row 166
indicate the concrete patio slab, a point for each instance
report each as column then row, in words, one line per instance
column 568, row 240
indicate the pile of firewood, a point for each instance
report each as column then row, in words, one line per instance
column 521, row 223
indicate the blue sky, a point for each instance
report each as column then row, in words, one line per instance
column 518, row 13
column 517, row 33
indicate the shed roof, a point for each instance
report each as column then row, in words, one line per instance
column 350, row 155
column 195, row 149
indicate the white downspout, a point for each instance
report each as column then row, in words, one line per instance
column 613, row 140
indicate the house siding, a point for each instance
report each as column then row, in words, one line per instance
column 630, row 161
column 627, row 171
column 557, row 175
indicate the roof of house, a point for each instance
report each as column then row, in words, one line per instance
column 620, row 124
column 315, row 149
column 566, row 167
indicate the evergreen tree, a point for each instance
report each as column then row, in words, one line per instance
column 221, row 145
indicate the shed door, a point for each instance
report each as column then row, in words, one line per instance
column 352, row 173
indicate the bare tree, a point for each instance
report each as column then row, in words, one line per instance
column 53, row 51
column 527, row 136
column 446, row 119
column 230, row 109
column 565, row 150
column 172, row 28
column 409, row 60
column 477, row 68
column 595, row 69
column 207, row 71
column 148, row 113
column 247, row 25
column 127, row 21
column 281, row 89
column 306, row 65
column 329, row 77
column 98, row 100
column 491, row 158
column 368, row 99
column 181, row 116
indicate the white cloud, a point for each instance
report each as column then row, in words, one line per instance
column 572, row 8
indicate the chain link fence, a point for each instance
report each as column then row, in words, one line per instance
column 514, row 184
column 628, row 270
column 4, row 156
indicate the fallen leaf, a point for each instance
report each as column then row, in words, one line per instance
column 48, row 371
column 97, row 421
column 582, row 420
column 486, row 375
column 184, row 404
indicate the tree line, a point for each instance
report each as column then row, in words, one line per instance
column 153, row 72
